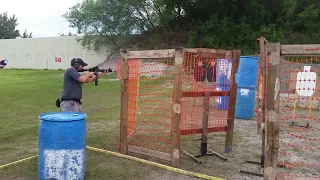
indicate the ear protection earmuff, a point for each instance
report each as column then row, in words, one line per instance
column 76, row 63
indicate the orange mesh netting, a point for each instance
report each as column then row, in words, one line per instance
column 299, row 118
column 150, row 105
column 197, row 69
column 151, row 84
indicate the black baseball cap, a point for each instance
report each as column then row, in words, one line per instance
column 79, row 60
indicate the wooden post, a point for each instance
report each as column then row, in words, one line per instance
column 260, row 104
column 262, row 99
column 265, row 86
column 273, row 87
column 124, row 102
column 261, row 86
column 176, row 109
column 232, row 100
column 205, row 121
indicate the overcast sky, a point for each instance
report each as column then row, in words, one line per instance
column 41, row 17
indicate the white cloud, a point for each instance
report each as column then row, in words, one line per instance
column 41, row 17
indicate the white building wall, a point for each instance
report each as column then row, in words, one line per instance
column 47, row 53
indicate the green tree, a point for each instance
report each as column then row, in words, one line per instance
column 223, row 24
column 26, row 35
column 99, row 20
column 69, row 34
column 8, row 26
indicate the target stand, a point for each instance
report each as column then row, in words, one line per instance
column 218, row 72
column 204, row 151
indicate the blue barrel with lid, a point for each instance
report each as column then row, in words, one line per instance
column 61, row 145
column 246, row 76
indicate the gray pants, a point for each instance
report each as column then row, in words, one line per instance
column 72, row 106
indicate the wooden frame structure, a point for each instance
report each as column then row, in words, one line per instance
column 262, row 89
column 178, row 56
column 268, row 122
column 272, row 109
column 276, row 52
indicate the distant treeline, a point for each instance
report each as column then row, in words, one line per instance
column 221, row 24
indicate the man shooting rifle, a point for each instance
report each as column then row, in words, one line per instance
column 70, row 99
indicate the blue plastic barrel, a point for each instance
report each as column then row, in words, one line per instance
column 245, row 103
column 222, row 102
column 62, row 143
column 246, row 76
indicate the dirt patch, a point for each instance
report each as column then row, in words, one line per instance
column 299, row 143
column 246, row 146
column 160, row 174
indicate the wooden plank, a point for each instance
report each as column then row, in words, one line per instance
column 300, row 49
column 192, row 156
column 211, row 55
column 262, row 98
column 176, row 109
column 228, row 53
column 273, row 119
column 261, row 86
column 205, row 120
column 199, row 130
column 202, row 93
column 131, row 136
column 151, row 54
column 124, row 102
column 149, row 153
column 232, row 100
column 265, row 85
column 264, row 105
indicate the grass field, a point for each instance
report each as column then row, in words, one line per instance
column 27, row 93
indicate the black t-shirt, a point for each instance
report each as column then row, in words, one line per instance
column 72, row 88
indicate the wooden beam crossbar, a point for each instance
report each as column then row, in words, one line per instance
column 151, row 54
column 170, row 53
column 210, row 53
column 300, row 49
column 202, row 93
column 199, row 130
